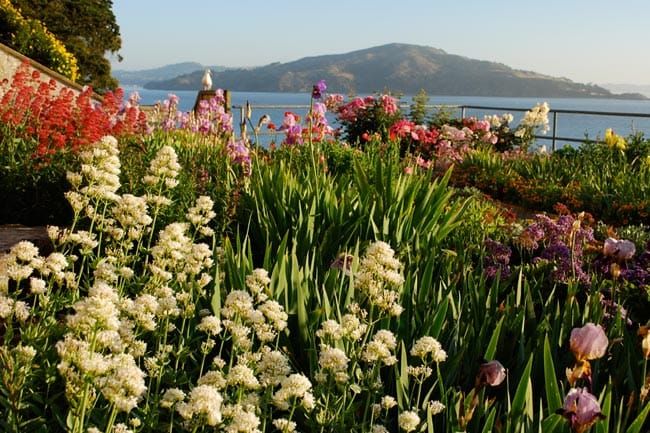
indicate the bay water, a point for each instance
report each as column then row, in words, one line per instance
column 578, row 126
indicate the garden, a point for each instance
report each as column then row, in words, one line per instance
column 372, row 277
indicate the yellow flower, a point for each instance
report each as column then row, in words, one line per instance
column 614, row 141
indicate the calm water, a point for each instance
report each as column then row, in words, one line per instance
column 568, row 125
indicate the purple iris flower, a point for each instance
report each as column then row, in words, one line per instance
column 319, row 88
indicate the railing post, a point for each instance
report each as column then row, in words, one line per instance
column 554, row 130
column 242, row 123
column 462, row 111
column 227, row 101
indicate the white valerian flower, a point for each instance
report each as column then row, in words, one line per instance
column 204, row 402
column 21, row 311
column 388, row 402
column 284, row 425
column 379, row 278
column 163, row 169
column 352, row 327
column 295, row 386
column 213, row 378
column 121, row 428
column 380, row 348
column 87, row 241
column 436, row 407
column 144, row 310
column 257, row 283
column 408, row 420
column 210, row 325
column 272, row 367
column 275, row 314
column 378, row 428
column 240, row 419
column 237, row 303
column 131, row 213
column 332, row 358
column 100, row 170
column 242, row 375
column 37, row 286
column 537, row 117
column 330, row 329
column 201, row 214
column 124, row 385
column 6, row 307
column 429, row 346
column 420, row 372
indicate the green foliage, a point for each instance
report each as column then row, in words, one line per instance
column 610, row 184
column 33, row 194
column 87, row 28
column 418, row 114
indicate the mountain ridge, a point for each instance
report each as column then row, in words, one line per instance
column 166, row 72
column 399, row 68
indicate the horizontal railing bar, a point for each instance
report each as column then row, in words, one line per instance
column 554, row 139
column 562, row 111
column 573, row 140
column 475, row 107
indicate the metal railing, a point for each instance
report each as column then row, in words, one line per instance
column 553, row 114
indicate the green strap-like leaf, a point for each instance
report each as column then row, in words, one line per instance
column 553, row 396
column 637, row 425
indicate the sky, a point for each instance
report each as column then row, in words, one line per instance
column 588, row 41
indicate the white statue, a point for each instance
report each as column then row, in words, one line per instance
column 207, row 80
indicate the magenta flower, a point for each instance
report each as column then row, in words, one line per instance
column 318, row 89
column 491, row 373
column 581, row 409
column 588, row 342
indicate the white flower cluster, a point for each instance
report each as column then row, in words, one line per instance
column 333, row 361
column 244, row 314
column 23, row 263
column 426, row 346
column 204, row 403
column 163, row 169
column 256, row 370
column 381, row 348
column 201, row 214
column 131, row 213
column 96, row 350
column 99, row 177
column 408, row 420
column 497, row 121
column 536, row 117
column 379, row 278
column 295, row 387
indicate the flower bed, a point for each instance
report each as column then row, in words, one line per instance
column 204, row 286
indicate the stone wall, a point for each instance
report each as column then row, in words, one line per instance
column 10, row 61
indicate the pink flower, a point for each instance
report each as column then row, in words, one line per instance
column 333, row 101
column 389, row 104
column 619, row 249
column 581, row 409
column 408, row 170
column 588, row 342
column 491, row 373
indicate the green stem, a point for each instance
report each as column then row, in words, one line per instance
column 111, row 419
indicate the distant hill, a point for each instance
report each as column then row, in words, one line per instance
column 400, row 68
column 643, row 89
column 141, row 77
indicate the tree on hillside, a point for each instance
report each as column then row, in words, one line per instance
column 88, row 29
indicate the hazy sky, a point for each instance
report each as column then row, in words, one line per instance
column 599, row 41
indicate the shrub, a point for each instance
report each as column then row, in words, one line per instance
column 32, row 39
